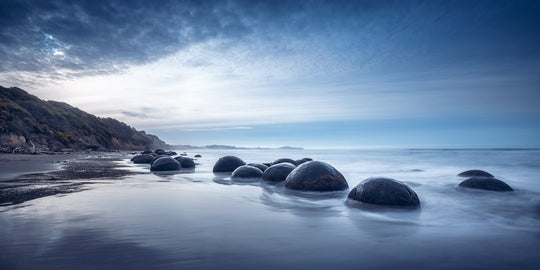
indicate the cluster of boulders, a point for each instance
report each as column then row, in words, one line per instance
column 161, row 160
column 310, row 175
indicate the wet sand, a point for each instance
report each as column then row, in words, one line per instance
column 28, row 177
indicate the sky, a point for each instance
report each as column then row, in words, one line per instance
column 314, row 74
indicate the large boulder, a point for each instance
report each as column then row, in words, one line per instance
column 142, row 159
column 261, row 167
column 246, row 171
column 278, row 172
column 284, row 160
column 157, row 156
column 185, row 162
column 316, row 176
column 147, row 152
column 485, row 183
column 475, row 173
column 384, row 191
column 160, row 151
column 165, row 164
column 228, row 164
column 303, row 160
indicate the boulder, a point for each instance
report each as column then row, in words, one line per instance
column 228, row 164
column 185, row 162
column 384, row 191
column 197, row 155
column 304, row 160
column 475, row 173
column 165, row 163
column 156, row 157
column 316, row 176
column 485, row 183
column 160, row 151
column 261, row 167
column 283, row 160
column 278, row 172
column 143, row 159
column 147, row 152
column 246, row 171
column 171, row 153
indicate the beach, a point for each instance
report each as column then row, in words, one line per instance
column 112, row 214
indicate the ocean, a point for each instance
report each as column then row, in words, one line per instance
column 198, row 220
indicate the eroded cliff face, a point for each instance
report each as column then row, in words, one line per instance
column 28, row 124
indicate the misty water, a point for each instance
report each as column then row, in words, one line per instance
column 198, row 220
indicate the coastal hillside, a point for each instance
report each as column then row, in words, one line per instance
column 29, row 124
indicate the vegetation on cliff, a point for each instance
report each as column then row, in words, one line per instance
column 27, row 122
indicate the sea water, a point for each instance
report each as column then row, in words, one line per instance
column 198, row 220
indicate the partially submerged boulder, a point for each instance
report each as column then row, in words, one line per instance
column 142, row 159
column 165, row 164
column 278, row 172
column 316, row 176
column 185, row 162
column 384, row 191
column 475, row 173
column 485, row 183
column 283, row 160
column 228, row 164
column 261, row 167
column 246, row 171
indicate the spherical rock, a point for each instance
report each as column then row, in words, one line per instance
column 304, row 160
column 143, row 159
column 185, row 162
column 261, row 167
column 228, row 164
column 316, row 176
column 246, row 171
column 283, row 160
column 384, row 191
column 171, row 153
column 267, row 164
column 197, row 155
column 160, row 151
column 485, row 184
column 278, row 172
column 147, row 152
column 475, row 173
column 156, row 157
column 165, row 163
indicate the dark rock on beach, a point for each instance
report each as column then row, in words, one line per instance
column 261, row 167
column 185, row 162
column 384, row 191
column 316, row 176
column 246, row 171
column 278, row 172
column 156, row 157
column 143, row 159
column 171, row 153
column 283, row 160
column 147, row 152
column 485, row 183
column 165, row 164
column 304, row 160
column 228, row 164
column 160, row 151
column 475, row 173
column 197, row 156
column 267, row 164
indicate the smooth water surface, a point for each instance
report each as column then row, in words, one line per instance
column 198, row 220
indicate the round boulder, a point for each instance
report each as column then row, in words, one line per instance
column 261, row 167
column 165, row 164
column 156, row 157
column 384, row 191
column 283, row 160
column 485, row 184
column 143, row 159
column 147, row 152
column 171, row 153
column 316, row 176
column 228, row 164
column 160, row 151
column 475, row 173
column 185, row 162
column 278, row 172
column 246, row 171
column 197, row 155
column 304, row 160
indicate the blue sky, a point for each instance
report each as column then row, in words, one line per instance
column 272, row 73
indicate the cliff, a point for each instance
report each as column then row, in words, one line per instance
column 28, row 123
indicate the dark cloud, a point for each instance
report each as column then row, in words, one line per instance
column 104, row 35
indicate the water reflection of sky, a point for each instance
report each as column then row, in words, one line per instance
column 171, row 222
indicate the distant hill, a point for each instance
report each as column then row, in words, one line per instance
column 28, row 123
